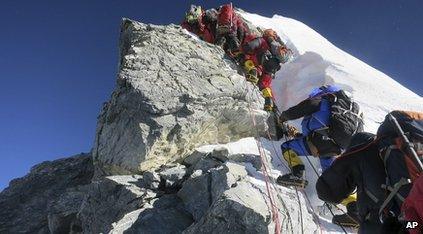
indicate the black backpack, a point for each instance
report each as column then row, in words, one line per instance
column 401, row 149
column 345, row 119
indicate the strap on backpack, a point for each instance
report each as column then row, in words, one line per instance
column 393, row 192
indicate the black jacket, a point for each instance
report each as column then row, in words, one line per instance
column 304, row 108
column 361, row 168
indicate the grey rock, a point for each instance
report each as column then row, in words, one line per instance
column 247, row 158
column 194, row 157
column 205, row 164
column 165, row 215
column 241, row 209
column 109, row 200
column 173, row 94
column 173, row 176
column 25, row 203
column 151, row 180
column 198, row 193
column 225, row 177
column 196, row 173
column 63, row 211
column 221, row 153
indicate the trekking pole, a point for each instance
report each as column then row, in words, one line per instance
column 406, row 141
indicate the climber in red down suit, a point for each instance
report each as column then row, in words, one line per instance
column 262, row 58
column 202, row 23
column 220, row 26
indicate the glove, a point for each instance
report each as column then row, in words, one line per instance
column 290, row 131
column 252, row 76
column 293, row 131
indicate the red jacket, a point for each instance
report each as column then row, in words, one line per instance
column 204, row 29
column 227, row 16
column 254, row 47
column 412, row 208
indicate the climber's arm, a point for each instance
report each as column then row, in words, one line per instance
column 337, row 182
column 304, row 108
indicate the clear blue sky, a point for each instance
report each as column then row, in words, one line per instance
column 58, row 60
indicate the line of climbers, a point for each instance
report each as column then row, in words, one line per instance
column 373, row 175
column 377, row 177
column 259, row 55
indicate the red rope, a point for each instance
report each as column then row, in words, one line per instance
column 274, row 210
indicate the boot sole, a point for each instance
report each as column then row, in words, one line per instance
column 289, row 184
column 350, row 225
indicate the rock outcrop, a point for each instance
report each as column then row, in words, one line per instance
column 48, row 197
column 219, row 197
column 147, row 172
column 174, row 93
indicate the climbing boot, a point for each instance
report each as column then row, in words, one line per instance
column 349, row 219
column 295, row 178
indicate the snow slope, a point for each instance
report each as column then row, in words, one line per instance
column 318, row 62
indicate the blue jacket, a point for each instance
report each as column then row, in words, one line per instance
column 320, row 118
column 315, row 110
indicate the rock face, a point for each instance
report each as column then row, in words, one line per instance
column 218, row 198
column 34, row 203
column 146, row 173
column 238, row 210
column 173, row 94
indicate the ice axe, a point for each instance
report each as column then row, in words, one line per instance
column 407, row 143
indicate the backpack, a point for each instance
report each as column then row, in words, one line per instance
column 345, row 119
column 401, row 150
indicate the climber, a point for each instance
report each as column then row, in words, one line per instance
column 321, row 132
column 382, row 170
column 325, row 133
column 262, row 57
column 202, row 23
column 231, row 29
column 221, row 26
column 363, row 169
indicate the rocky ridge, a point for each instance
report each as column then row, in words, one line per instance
column 174, row 93
column 146, row 172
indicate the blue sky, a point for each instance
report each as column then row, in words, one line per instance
column 58, row 60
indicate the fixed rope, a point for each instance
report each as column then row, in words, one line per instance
column 275, row 187
column 274, row 209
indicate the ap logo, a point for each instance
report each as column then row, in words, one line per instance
column 411, row 225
